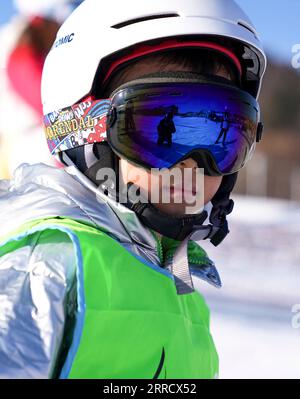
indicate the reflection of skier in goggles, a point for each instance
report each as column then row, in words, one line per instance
column 195, row 96
column 103, row 289
column 165, row 129
column 224, row 128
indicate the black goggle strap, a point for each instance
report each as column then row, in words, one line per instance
column 174, row 77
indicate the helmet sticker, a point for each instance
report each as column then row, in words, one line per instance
column 64, row 40
column 71, row 127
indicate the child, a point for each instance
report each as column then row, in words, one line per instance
column 97, row 276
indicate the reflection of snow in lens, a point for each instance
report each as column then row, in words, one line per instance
column 158, row 126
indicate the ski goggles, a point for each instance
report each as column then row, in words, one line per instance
column 157, row 123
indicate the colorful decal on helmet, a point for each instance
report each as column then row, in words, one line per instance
column 71, row 127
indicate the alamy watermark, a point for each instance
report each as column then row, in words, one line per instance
column 163, row 186
column 296, row 316
column 296, row 56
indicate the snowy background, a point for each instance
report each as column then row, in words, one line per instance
column 251, row 316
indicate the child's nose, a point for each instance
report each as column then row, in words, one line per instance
column 188, row 163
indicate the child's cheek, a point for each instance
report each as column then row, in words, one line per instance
column 211, row 186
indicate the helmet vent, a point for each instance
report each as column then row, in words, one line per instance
column 147, row 18
column 248, row 27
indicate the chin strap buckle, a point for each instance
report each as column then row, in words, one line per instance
column 218, row 234
column 219, row 223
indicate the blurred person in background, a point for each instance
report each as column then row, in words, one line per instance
column 25, row 42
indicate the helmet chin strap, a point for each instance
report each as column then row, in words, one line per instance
column 176, row 227
column 179, row 227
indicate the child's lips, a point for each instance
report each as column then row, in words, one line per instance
column 182, row 190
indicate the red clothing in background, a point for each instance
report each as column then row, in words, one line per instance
column 24, row 69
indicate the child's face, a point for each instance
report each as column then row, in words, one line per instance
column 183, row 194
column 147, row 181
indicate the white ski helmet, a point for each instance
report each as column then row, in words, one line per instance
column 98, row 37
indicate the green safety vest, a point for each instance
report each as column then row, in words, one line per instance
column 130, row 321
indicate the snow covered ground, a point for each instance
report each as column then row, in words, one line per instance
column 251, row 316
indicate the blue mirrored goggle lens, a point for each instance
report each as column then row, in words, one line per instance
column 157, row 125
